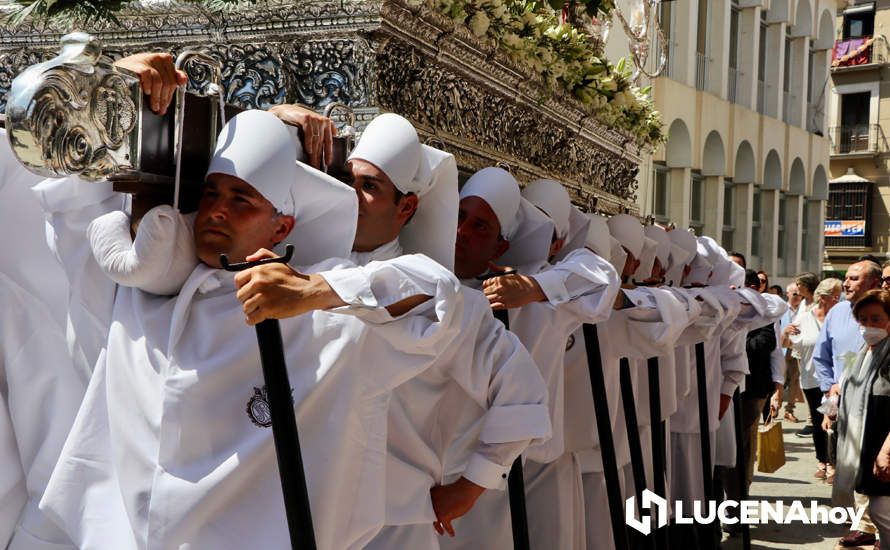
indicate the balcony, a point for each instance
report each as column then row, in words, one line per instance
column 701, row 71
column 865, row 139
column 732, row 84
column 859, row 54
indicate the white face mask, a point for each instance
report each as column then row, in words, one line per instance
column 872, row 335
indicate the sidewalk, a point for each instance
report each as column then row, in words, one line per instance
column 793, row 481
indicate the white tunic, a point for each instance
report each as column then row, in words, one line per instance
column 163, row 453
column 469, row 415
column 581, row 288
column 40, row 392
column 24, row 255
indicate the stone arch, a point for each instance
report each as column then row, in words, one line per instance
column 678, row 150
column 803, row 20
column 772, row 171
column 820, row 184
column 745, row 167
column 825, row 38
column 713, row 155
column 797, row 179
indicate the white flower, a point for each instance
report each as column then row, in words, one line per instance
column 479, row 23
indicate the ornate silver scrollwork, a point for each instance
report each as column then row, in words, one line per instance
column 73, row 114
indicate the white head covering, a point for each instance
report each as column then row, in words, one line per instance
column 725, row 272
column 683, row 251
column 500, row 190
column 551, row 197
column 603, row 244
column 629, row 233
column 577, row 235
column 391, row 144
column 701, row 270
column 527, row 229
column 663, row 250
column 256, row 147
column 647, row 259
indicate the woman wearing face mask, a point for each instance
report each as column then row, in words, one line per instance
column 864, row 415
column 801, row 336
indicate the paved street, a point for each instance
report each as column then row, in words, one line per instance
column 793, row 481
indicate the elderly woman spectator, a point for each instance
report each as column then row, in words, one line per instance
column 864, row 415
column 801, row 336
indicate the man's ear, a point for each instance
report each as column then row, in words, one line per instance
column 283, row 226
column 502, row 247
column 407, row 207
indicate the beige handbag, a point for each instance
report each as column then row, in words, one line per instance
column 770, row 446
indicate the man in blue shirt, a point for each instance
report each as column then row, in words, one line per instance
column 840, row 333
column 840, row 336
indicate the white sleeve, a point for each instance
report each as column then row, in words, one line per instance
column 70, row 204
column 581, row 272
column 733, row 359
column 368, row 290
column 706, row 323
column 652, row 327
column 777, row 359
column 500, row 375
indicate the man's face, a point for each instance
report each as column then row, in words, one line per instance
column 380, row 215
column 235, row 219
column 794, row 296
column 478, row 238
column 763, row 282
column 885, row 278
column 856, row 283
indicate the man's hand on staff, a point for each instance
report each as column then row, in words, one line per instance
column 277, row 291
column 453, row 501
column 318, row 131
column 512, row 291
column 157, row 75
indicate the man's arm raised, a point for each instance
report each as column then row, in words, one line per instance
column 277, row 291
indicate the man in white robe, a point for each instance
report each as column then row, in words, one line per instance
column 455, row 429
column 545, row 303
column 162, row 452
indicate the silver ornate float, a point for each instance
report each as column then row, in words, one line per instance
column 382, row 55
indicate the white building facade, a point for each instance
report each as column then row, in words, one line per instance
column 744, row 102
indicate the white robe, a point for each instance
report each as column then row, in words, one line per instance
column 471, row 414
column 40, row 392
column 163, row 453
column 581, row 288
column 24, row 255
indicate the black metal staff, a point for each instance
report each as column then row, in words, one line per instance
column 604, row 428
column 516, row 481
column 284, row 422
column 659, row 453
column 741, row 473
column 633, row 435
column 703, row 421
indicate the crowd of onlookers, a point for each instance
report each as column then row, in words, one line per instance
column 831, row 352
